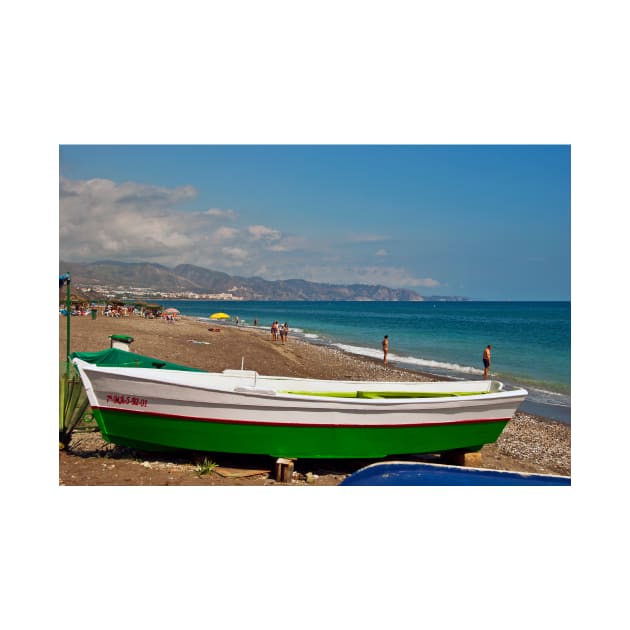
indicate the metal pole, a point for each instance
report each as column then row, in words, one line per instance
column 68, row 326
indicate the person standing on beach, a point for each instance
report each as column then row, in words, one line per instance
column 284, row 332
column 385, row 344
column 486, row 360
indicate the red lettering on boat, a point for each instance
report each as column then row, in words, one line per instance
column 122, row 399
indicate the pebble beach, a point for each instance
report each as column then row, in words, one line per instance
column 529, row 443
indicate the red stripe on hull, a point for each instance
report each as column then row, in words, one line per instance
column 168, row 416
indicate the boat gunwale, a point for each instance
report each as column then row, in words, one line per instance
column 138, row 374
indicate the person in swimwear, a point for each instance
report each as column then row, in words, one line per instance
column 385, row 348
column 486, row 360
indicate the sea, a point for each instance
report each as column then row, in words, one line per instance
column 531, row 341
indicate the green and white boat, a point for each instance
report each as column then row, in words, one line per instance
column 154, row 405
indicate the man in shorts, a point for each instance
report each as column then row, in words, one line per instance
column 486, row 360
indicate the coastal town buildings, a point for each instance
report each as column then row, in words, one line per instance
column 127, row 293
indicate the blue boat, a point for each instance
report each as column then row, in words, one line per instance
column 422, row 474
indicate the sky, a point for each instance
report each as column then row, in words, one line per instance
column 489, row 222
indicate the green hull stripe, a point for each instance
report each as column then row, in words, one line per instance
column 157, row 433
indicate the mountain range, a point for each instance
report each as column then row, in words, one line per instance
column 198, row 280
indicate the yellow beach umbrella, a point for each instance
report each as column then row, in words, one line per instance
column 220, row 316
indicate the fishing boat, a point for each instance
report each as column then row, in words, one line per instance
column 147, row 404
column 425, row 474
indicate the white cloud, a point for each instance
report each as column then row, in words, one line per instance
column 393, row 277
column 100, row 219
column 287, row 244
column 263, row 232
column 236, row 253
column 225, row 233
column 99, row 192
column 221, row 214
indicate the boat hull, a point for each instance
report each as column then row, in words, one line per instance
column 154, row 432
column 155, row 409
column 425, row 474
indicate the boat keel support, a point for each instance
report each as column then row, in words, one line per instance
column 284, row 470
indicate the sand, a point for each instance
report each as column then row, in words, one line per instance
column 528, row 444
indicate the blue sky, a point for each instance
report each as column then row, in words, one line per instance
column 484, row 222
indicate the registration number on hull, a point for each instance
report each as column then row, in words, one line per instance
column 121, row 399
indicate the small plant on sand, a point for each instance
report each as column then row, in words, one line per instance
column 205, row 467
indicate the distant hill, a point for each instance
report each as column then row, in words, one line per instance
column 200, row 280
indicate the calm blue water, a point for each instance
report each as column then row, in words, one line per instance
column 531, row 341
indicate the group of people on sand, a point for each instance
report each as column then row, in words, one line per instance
column 118, row 311
column 279, row 332
column 485, row 357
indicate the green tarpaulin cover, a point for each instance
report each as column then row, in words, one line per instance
column 113, row 357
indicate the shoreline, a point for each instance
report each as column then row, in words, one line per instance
column 529, row 443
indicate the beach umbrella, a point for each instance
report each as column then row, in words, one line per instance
column 220, row 316
column 172, row 310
